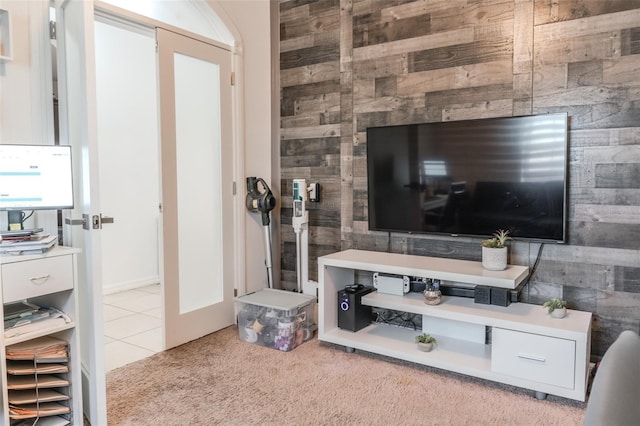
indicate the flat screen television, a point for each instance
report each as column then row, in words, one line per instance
column 35, row 177
column 470, row 177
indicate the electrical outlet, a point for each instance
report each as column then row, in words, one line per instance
column 314, row 192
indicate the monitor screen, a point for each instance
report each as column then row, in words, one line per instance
column 35, row 177
column 470, row 177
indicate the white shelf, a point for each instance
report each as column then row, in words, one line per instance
column 453, row 270
column 517, row 316
column 460, row 325
column 35, row 334
column 396, row 342
column 53, row 252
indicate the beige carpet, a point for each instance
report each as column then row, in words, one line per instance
column 220, row 380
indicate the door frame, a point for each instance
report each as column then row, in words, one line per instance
column 77, row 118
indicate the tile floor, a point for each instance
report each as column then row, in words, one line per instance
column 132, row 325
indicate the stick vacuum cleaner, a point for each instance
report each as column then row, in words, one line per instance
column 261, row 200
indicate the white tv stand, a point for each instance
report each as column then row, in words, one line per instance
column 527, row 348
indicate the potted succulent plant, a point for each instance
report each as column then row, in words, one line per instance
column 556, row 307
column 494, row 251
column 426, row 342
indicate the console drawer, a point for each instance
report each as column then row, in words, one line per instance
column 534, row 357
column 24, row 280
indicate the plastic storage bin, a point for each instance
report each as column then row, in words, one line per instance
column 276, row 319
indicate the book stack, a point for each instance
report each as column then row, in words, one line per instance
column 27, row 244
column 37, row 382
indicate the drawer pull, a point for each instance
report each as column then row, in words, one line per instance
column 40, row 280
column 532, row 357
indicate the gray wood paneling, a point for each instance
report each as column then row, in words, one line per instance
column 548, row 11
column 485, row 50
column 630, row 41
column 375, row 32
column 352, row 64
column 309, row 56
column 626, row 175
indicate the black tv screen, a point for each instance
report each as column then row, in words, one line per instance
column 470, row 177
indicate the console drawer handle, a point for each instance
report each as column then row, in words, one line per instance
column 40, row 280
column 532, row 357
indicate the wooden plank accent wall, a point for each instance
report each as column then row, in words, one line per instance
column 350, row 64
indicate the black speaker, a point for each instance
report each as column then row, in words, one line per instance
column 482, row 294
column 500, row 296
column 352, row 314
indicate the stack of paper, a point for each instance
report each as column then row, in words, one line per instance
column 20, row 368
column 35, row 244
column 32, row 382
column 36, row 383
column 42, row 349
column 29, row 411
column 19, row 310
column 44, row 421
column 33, row 396
column 40, row 319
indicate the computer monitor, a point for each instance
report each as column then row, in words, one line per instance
column 34, row 177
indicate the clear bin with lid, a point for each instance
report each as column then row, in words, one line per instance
column 276, row 319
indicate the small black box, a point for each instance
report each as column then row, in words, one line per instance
column 482, row 294
column 457, row 291
column 500, row 296
column 352, row 314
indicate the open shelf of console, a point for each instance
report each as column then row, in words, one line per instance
column 518, row 345
column 451, row 270
column 398, row 342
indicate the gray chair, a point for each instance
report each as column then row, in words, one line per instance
column 615, row 394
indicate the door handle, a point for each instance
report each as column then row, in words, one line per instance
column 99, row 220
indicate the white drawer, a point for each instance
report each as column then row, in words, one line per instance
column 533, row 357
column 32, row 278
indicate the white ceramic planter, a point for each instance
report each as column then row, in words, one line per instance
column 494, row 259
column 425, row 347
column 559, row 313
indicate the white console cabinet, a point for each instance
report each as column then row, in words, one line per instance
column 47, row 280
column 519, row 345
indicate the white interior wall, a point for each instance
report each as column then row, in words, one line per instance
column 252, row 19
column 24, row 115
column 26, row 103
column 173, row 13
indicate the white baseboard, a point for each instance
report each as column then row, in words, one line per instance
column 129, row 285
